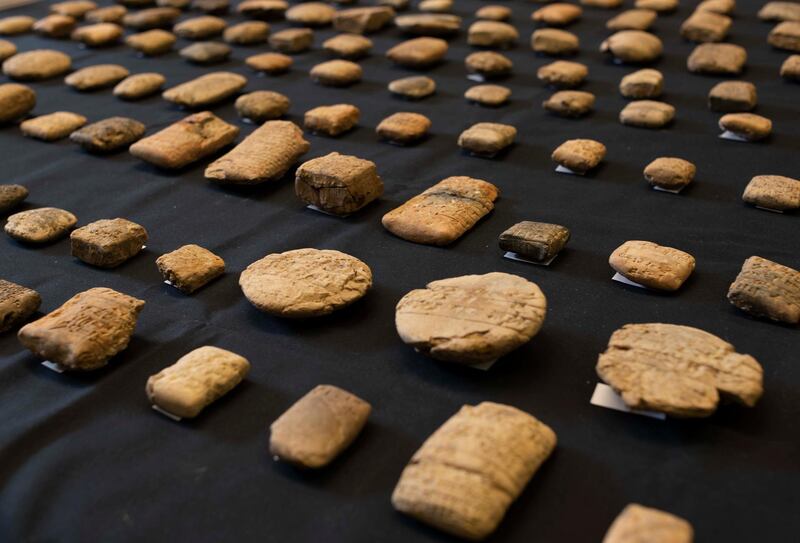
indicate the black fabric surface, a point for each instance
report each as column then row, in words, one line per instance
column 84, row 458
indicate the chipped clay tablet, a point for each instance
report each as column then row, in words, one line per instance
column 190, row 267
column 305, row 282
column 331, row 120
column 17, row 304
column 471, row 319
column 206, row 52
column 732, row 97
column 86, row 331
column 338, row 184
column 429, row 24
column 488, row 64
column 677, row 370
column 492, row 34
column 108, row 135
column 292, row 40
column 537, row 241
column 107, row 243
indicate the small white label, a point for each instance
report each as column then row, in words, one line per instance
column 604, row 396
column 511, row 255
column 624, row 280
column 770, row 209
column 671, row 191
column 728, row 135
column 484, row 366
column 143, row 247
column 166, row 282
column 58, row 368
column 315, row 208
column 476, row 77
column 564, row 169
column 166, row 413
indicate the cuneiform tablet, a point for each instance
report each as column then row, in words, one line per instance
column 107, row 243
column 767, row 289
column 137, row 86
column 108, row 14
column 7, row 49
column 17, row 304
column 292, row 40
column 262, row 9
column 37, row 65
column 429, row 24
column 206, row 52
column 152, row 42
column 563, row 74
column 632, row 19
column 196, row 380
column 264, row 155
column 773, row 192
column 73, row 8
column 471, row 319
column 15, row 101
column 362, row 20
column 748, row 126
column 717, row 59
column 579, row 155
column 677, row 370
column 659, row 6
column 200, row 28
column 444, row 212
column 570, row 103
column 641, row 84
column 211, row 7
column 190, row 267
column 40, row 225
column 305, row 282
column 98, row 35
column 55, row 26
column 318, row 427
column 557, row 14
column 487, row 139
column 468, row 472
column 415, row 87
column 637, row 523
column 492, row 34
column 652, row 265
column 554, row 42
column 311, row 14
column 260, row 106
column 146, row 19
column 670, row 173
column 185, row 141
column 493, row 13
column 11, row 196
column 86, row 331
column 348, row 46
column 206, row 90
column 488, row 64
column 780, row 11
column 537, row 241
column 54, row 126
column 331, row 120
column 732, row 97
column 247, row 33
column 633, row 46
column 338, row 184
column 647, row 114
column 488, row 95
column 706, row 26
column 418, row 53
column 96, row 77
column 786, row 35
column 16, row 24
column 108, row 135
column 403, row 128
column 336, row 73
column 269, row 63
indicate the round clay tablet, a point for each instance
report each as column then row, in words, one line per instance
column 471, row 319
column 305, row 282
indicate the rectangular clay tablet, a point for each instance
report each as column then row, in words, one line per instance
column 264, row 155
column 464, row 477
column 537, row 241
column 196, row 380
column 205, row 90
column 318, row 427
column 185, row 141
column 444, row 212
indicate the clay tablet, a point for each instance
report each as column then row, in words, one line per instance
column 206, row 52
column 16, row 24
column 706, row 26
column 749, row 126
column 338, row 184
column 488, row 95
column 247, row 33
column 269, row 63
column 669, row 173
column 732, row 96
column 200, row 28
column 15, row 101
column 318, row 427
column 7, row 49
column 362, row 20
column 537, row 241
column 492, row 34
column 558, row 14
column 677, row 370
column 471, row 319
column 11, row 196
column 633, row 46
column 37, row 65
column 147, row 19
column 96, row 77
column 139, row 86
column 108, row 14
column 418, row 52
column 260, row 106
column 108, row 243
column 563, row 74
column 17, row 304
column 487, row 139
column 336, row 73
column 554, row 42
column 488, row 64
column 73, row 8
column 493, row 13
column 265, row 155
column 786, row 35
column 305, row 282
column 415, row 87
column 466, row 474
column 190, row 267
column 40, row 225
column 52, row 127
column 108, row 135
column 790, row 69
column 647, row 114
column 331, row 120
column 206, row 90
column 429, row 24
column 196, row 380
column 652, row 265
column 647, row 83
column 85, row 332
column 579, row 155
column 632, row 19
column 311, row 14
column 348, row 46
column 54, row 26
column 780, row 11
column 262, row 9
column 185, row 141
column 403, row 128
column 98, row 35
column 570, row 103
column 767, row 289
column 152, row 42
column 637, row 523
column 717, row 59
column 292, row 40
column 444, row 212
column 773, row 192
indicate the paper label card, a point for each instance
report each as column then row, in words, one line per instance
column 770, row 209
column 166, row 413
column 484, row 366
column 671, row 191
column 728, row 135
column 318, row 210
column 604, row 396
column 564, row 169
column 624, row 280
column 511, row 255
column 53, row 366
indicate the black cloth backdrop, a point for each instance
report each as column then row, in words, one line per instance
column 84, row 458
